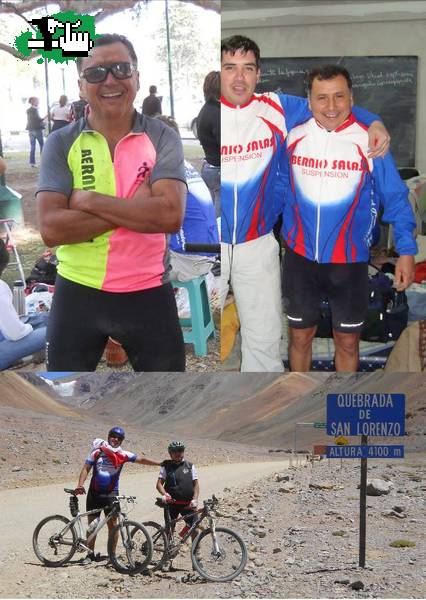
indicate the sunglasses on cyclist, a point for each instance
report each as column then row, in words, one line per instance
column 120, row 70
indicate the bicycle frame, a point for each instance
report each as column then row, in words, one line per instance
column 104, row 520
column 171, row 523
column 77, row 522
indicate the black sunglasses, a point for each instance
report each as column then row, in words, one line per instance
column 120, row 70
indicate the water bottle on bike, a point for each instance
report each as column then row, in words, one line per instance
column 93, row 525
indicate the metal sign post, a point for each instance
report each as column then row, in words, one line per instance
column 363, row 507
column 2, row 177
column 381, row 415
column 295, row 435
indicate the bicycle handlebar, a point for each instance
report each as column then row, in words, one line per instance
column 209, row 502
column 112, row 498
column 172, row 501
column 127, row 498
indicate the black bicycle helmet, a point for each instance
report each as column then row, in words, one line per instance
column 176, row 446
column 117, row 431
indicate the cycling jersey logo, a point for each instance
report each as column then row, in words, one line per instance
column 143, row 172
column 336, row 165
column 87, row 170
column 228, row 150
column 252, row 146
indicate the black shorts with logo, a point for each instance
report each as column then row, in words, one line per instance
column 306, row 283
column 100, row 500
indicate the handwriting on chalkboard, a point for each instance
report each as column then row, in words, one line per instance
column 359, row 80
column 385, row 85
column 395, row 78
column 281, row 71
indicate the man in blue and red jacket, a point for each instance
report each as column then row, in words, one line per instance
column 333, row 196
column 253, row 131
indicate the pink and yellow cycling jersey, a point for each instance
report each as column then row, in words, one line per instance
column 77, row 157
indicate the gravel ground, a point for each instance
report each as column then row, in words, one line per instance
column 300, row 527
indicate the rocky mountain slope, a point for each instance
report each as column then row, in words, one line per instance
column 249, row 408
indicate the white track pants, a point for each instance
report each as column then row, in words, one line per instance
column 253, row 268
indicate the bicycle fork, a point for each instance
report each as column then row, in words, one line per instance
column 216, row 549
column 127, row 540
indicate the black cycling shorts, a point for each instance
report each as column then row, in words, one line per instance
column 100, row 500
column 175, row 511
column 146, row 323
column 306, row 283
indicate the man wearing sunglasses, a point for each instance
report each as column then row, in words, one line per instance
column 107, row 460
column 112, row 186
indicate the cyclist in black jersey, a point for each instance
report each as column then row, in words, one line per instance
column 178, row 481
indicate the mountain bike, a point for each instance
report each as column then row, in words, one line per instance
column 217, row 553
column 56, row 538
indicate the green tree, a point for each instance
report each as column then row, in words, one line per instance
column 192, row 55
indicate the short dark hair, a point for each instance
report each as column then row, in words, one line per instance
column 325, row 72
column 4, row 256
column 111, row 38
column 211, row 86
column 240, row 42
column 152, row 89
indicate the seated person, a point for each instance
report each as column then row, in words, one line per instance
column 18, row 337
column 199, row 226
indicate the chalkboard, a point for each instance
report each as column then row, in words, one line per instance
column 385, row 85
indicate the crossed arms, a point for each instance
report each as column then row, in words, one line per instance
column 86, row 214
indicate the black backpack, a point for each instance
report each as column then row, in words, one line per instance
column 44, row 271
column 178, row 482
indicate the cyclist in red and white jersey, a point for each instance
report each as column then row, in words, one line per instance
column 107, row 460
column 334, row 195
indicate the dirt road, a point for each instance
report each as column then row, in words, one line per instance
column 22, row 509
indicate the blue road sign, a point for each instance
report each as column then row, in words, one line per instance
column 366, row 414
column 365, row 451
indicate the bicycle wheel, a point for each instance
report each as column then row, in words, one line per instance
column 55, row 541
column 159, row 545
column 129, row 547
column 220, row 561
